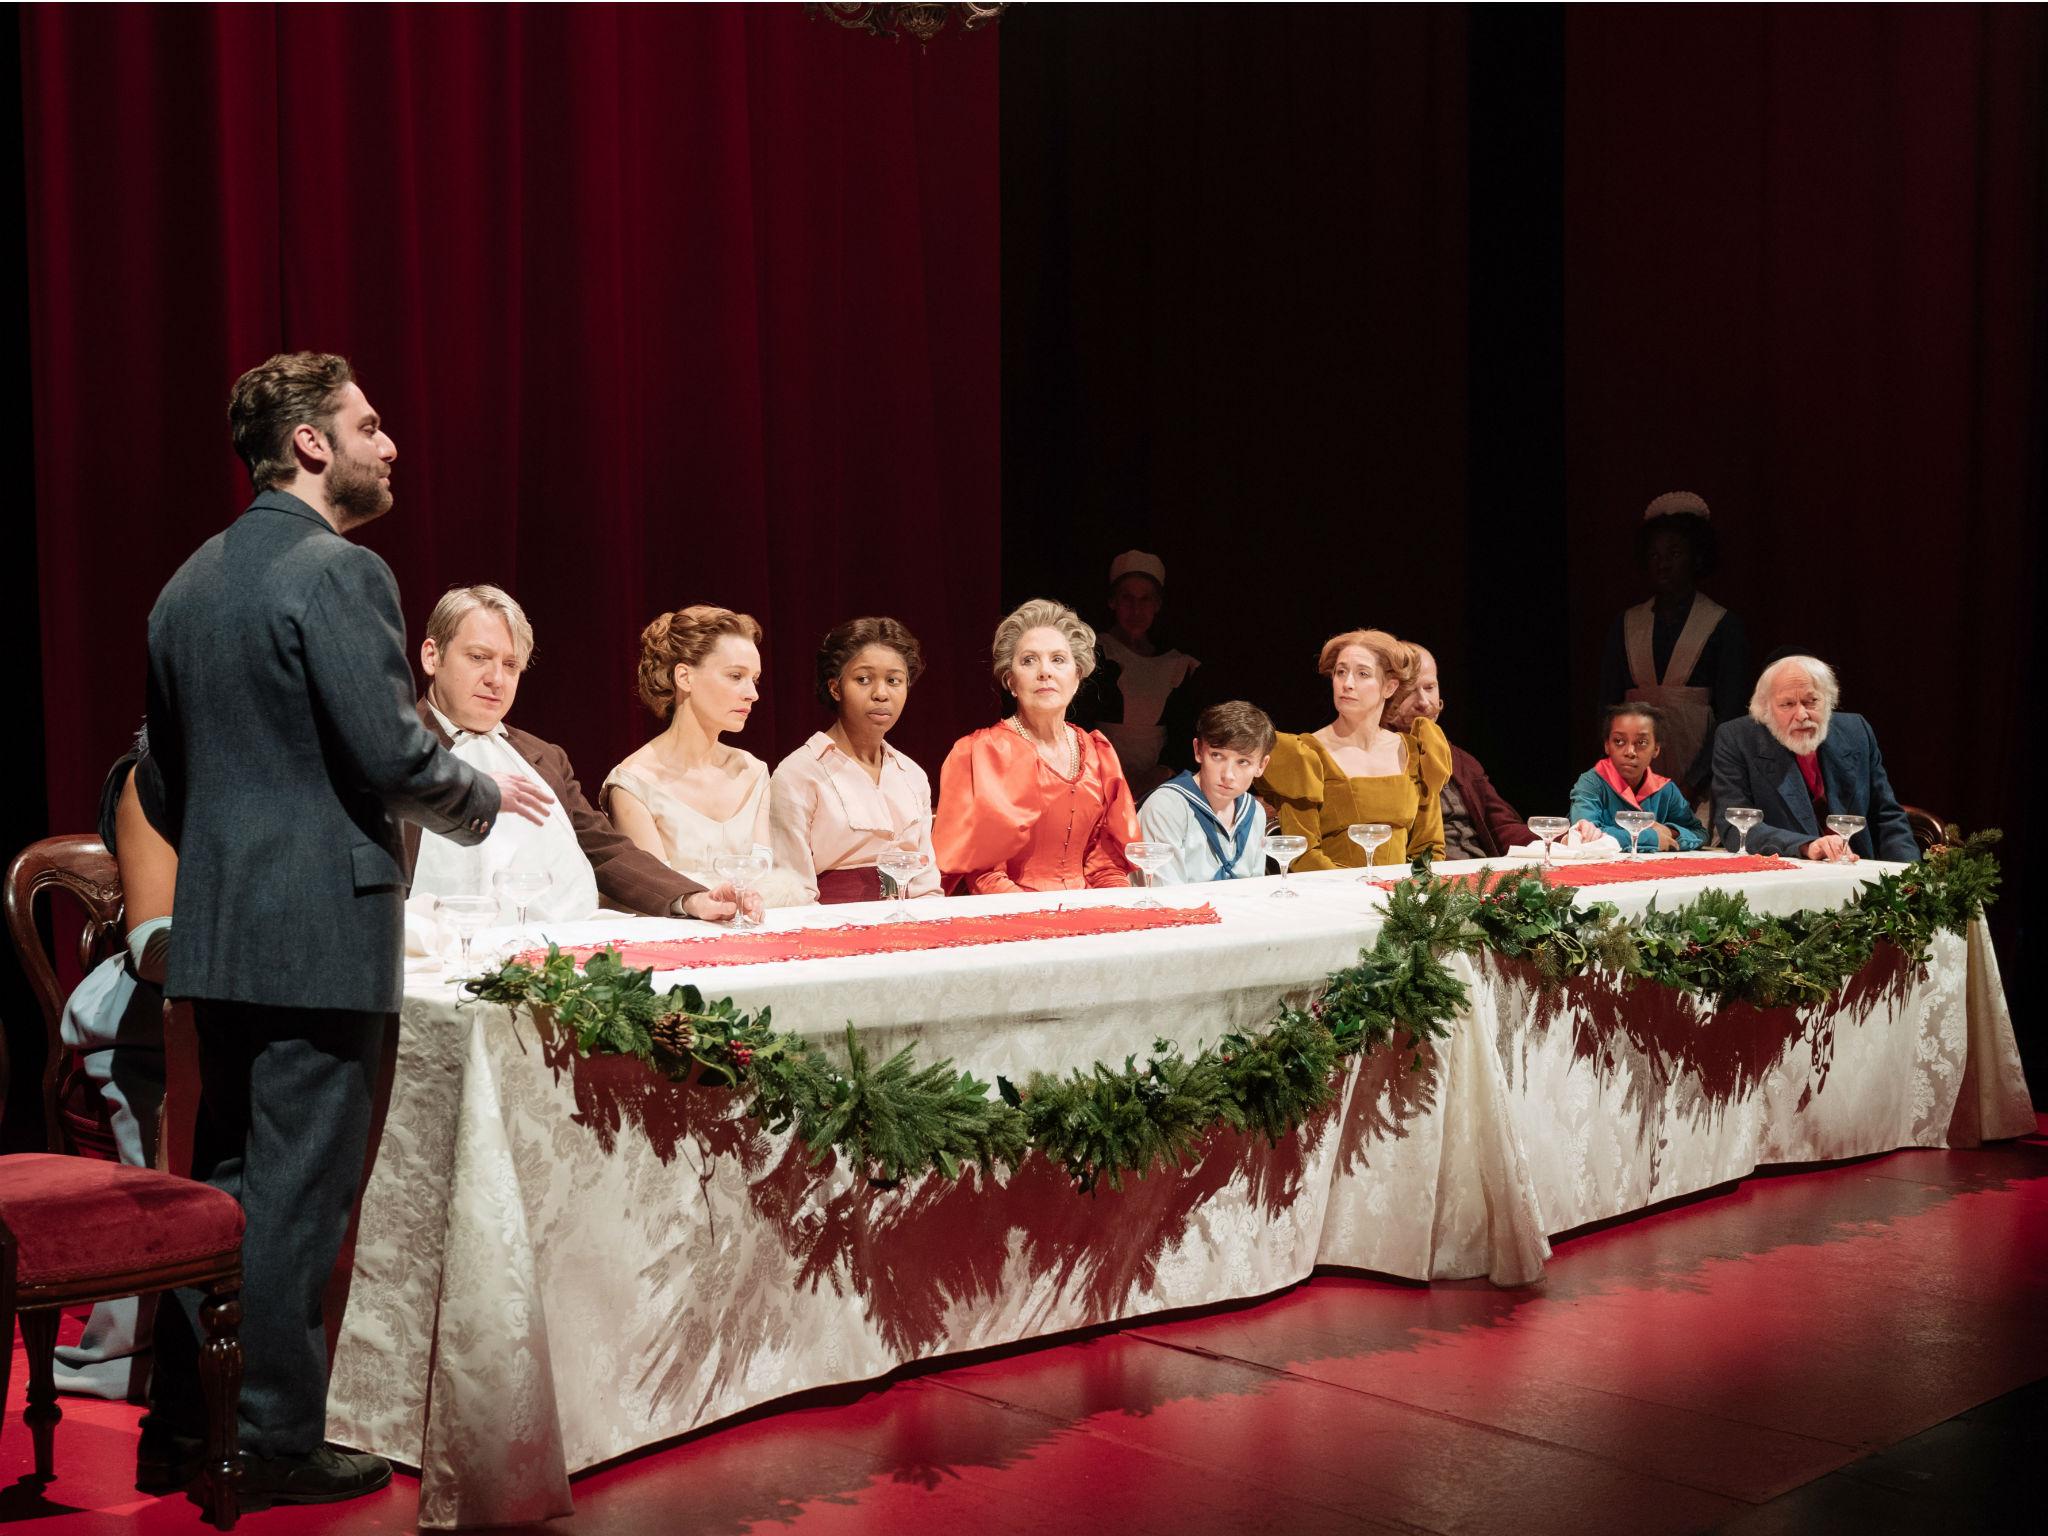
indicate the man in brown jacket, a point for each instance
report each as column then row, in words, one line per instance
column 478, row 642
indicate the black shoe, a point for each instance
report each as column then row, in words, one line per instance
column 166, row 1462
column 325, row 1477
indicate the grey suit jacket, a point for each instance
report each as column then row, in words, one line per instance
column 282, row 744
column 1750, row 768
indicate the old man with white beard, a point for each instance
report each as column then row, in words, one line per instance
column 1799, row 761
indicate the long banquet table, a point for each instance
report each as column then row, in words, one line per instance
column 560, row 1260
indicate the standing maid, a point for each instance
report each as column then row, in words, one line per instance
column 1680, row 651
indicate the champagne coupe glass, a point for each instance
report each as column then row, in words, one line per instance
column 742, row 870
column 467, row 915
column 1742, row 818
column 902, row 865
column 1149, row 858
column 1549, row 828
column 1283, row 848
column 1368, row 835
column 1845, row 827
column 520, row 886
column 1635, row 824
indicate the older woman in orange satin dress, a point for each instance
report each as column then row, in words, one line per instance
column 1035, row 803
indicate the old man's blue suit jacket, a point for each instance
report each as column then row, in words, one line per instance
column 1751, row 768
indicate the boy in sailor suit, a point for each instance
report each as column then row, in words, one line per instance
column 1209, row 817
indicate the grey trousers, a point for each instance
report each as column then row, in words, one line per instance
column 284, row 1117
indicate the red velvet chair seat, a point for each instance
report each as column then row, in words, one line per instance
column 74, row 1218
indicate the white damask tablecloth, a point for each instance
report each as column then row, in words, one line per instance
column 561, row 1260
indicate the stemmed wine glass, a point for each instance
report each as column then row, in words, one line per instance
column 902, row 862
column 1368, row 835
column 468, row 915
column 1283, row 848
column 1635, row 824
column 1742, row 818
column 1549, row 828
column 1845, row 827
column 520, row 886
column 741, row 870
column 1149, row 859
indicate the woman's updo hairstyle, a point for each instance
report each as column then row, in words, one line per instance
column 1042, row 613
column 1396, row 658
column 837, row 650
column 683, row 639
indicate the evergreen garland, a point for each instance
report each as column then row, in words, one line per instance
column 897, row 1119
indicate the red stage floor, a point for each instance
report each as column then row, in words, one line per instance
column 1683, row 1371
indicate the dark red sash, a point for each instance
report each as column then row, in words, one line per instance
column 839, row 885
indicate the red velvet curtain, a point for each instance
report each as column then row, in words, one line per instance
column 1803, row 277
column 661, row 304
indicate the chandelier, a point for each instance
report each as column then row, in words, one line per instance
column 923, row 22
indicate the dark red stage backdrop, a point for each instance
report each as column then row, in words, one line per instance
column 1803, row 256
column 662, row 305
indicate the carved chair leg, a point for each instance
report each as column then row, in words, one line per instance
column 220, row 1380
column 39, row 1339
column 143, row 1361
column 6, row 1311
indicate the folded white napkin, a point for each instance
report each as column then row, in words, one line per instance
column 1568, row 850
column 424, row 939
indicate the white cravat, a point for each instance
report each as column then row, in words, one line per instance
column 448, row 869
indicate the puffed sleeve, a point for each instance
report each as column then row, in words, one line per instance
column 792, row 801
column 1432, row 758
column 1293, row 785
column 1433, row 754
column 1105, row 863
column 982, row 821
column 926, row 881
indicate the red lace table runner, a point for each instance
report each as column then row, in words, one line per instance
column 1623, row 871
column 890, row 938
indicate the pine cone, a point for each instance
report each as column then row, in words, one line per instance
column 675, row 1034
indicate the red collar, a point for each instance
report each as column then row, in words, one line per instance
column 1652, row 782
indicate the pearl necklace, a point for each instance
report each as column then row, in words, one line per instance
column 1073, row 747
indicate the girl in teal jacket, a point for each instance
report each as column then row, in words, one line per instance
column 1624, row 781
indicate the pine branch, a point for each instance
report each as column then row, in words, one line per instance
column 898, row 1119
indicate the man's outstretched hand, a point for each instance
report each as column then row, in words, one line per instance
column 522, row 797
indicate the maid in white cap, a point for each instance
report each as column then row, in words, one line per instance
column 1681, row 651
column 1138, row 696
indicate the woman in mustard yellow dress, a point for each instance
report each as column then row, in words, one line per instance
column 1357, row 768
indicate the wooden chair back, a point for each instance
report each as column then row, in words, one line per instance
column 80, row 866
column 1929, row 830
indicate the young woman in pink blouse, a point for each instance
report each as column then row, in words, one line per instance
column 843, row 796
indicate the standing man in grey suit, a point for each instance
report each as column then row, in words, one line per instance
column 283, row 752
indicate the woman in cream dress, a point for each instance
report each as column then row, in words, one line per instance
column 686, row 796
